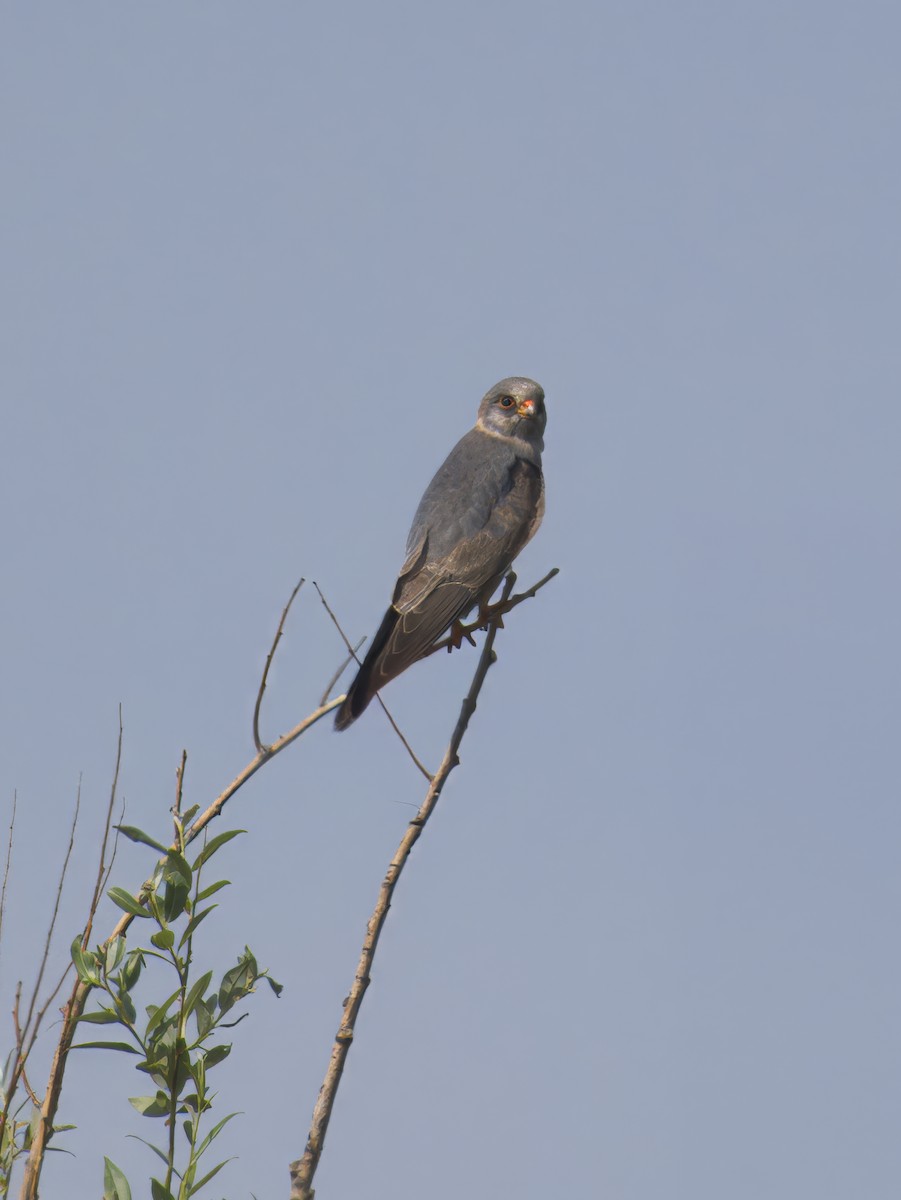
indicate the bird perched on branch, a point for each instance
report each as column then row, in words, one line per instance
column 485, row 502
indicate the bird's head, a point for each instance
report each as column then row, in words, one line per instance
column 515, row 408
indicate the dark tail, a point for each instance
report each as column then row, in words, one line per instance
column 361, row 690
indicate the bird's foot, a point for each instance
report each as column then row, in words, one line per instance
column 489, row 614
column 458, row 631
column 492, row 614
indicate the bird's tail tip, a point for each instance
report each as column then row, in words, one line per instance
column 354, row 703
column 344, row 716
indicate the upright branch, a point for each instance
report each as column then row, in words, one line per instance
column 304, row 1169
column 9, row 853
column 72, row 1010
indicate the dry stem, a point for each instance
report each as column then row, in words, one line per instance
column 353, row 654
column 304, row 1169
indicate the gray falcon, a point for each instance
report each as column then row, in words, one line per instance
column 485, row 502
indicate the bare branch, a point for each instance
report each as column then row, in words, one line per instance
column 304, row 1169
column 9, row 850
column 353, row 653
column 102, row 870
column 352, row 657
column 180, row 783
column 43, row 1126
column 31, row 1029
column 21, row 1054
column 269, row 657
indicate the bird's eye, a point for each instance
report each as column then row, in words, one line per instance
column 506, row 402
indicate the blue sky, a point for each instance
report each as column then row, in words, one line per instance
column 258, row 269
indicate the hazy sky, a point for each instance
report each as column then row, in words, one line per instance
column 259, row 264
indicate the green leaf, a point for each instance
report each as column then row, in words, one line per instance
column 216, row 1054
column 159, row 1192
column 278, row 988
column 85, row 964
column 176, row 874
column 189, row 814
column 126, row 901
column 115, row 1185
column 163, row 940
column 204, row 1019
column 213, row 845
column 215, row 1171
column 105, row 1016
column 156, row 1070
column 193, row 923
column 151, row 1106
column 176, row 897
column 129, row 1012
column 156, row 1016
column 238, row 981
column 176, row 869
column 131, row 969
column 212, row 889
column 150, row 1146
column 138, row 835
column 115, row 952
column 125, row 1047
column 214, row 1133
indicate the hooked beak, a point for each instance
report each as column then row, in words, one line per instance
column 526, row 408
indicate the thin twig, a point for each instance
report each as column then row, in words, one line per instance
column 101, row 866
column 21, row 1055
column 31, row 1031
column 9, row 851
column 257, row 741
column 43, row 1126
column 180, row 782
column 352, row 657
column 304, row 1169
column 391, row 719
column 27, row 1032
column 115, row 850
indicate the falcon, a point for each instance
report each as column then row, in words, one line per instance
column 484, row 503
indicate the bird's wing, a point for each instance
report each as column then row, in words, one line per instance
column 434, row 591
column 459, row 548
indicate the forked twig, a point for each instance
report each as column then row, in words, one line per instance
column 353, row 653
column 269, row 657
column 304, row 1169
